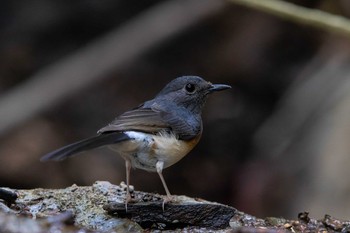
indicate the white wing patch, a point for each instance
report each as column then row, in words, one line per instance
column 139, row 136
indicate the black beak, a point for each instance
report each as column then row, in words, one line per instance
column 218, row 87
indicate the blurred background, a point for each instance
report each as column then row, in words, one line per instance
column 276, row 144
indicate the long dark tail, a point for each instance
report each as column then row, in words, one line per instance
column 83, row 145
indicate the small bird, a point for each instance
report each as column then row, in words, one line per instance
column 156, row 134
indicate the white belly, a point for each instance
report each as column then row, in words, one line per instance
column 145, row 150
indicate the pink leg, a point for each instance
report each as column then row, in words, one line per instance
column 159, row 167
column 128, row 196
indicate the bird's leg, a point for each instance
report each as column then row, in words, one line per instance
column 128, row 196
column 159, row 166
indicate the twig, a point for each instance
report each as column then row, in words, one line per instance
column 312, row 17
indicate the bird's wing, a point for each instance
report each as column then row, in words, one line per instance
column 154, row 120
column 141, row 119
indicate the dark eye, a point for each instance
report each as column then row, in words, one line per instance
column 190, row 88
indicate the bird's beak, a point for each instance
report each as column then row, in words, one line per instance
column 218, row 87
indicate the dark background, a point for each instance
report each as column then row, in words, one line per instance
column 275, row 145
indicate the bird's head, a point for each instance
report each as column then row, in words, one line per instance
column 190, row 92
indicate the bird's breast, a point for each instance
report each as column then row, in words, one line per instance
column 145, row 150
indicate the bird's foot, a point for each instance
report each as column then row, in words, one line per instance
column 128, row 199
column 167, row 199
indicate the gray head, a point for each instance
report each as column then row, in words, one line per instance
column 190, row 92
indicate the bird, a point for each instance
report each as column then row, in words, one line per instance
column 156, row 134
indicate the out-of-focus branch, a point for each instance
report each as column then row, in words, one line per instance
column 299, row 14
column 111, row 52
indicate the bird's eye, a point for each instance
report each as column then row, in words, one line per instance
column 190, row 88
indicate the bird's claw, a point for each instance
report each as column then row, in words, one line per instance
column 128, row 199
column 167, row 199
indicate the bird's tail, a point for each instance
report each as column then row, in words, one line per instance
column 86, row 144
